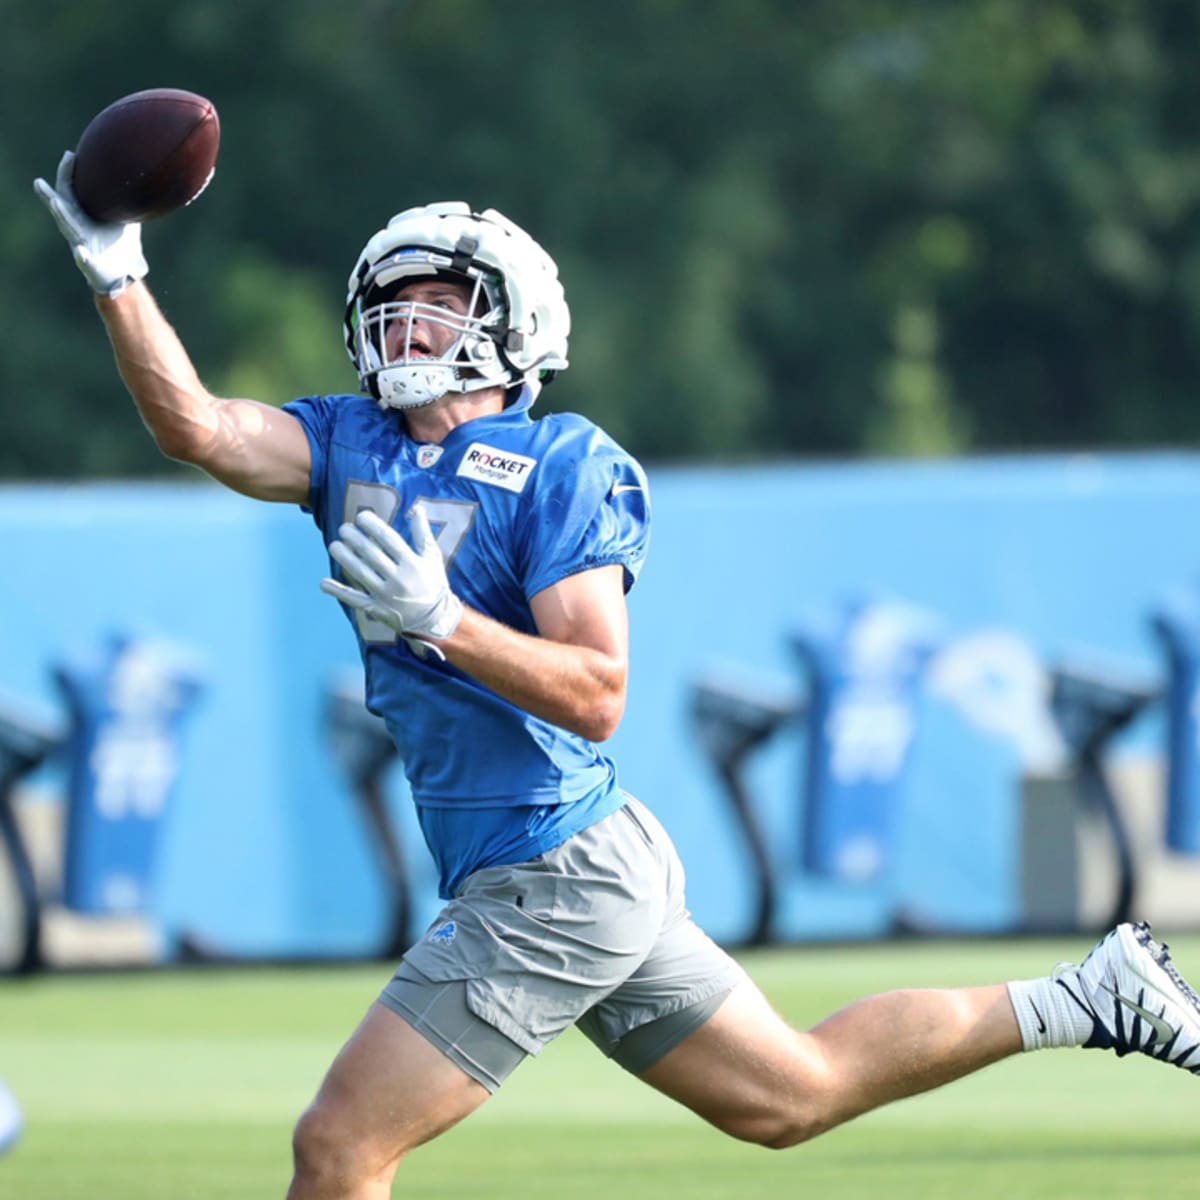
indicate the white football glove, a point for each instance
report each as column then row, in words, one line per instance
column 401, row 585
column 110, row 256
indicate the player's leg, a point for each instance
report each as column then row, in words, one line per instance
column 749, row 1073
column 509, row 964
column 753, row 1076
column 739, row 1065
column 388, row 1090
column 743, row 1068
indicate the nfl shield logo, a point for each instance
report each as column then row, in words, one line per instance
column 428, row 455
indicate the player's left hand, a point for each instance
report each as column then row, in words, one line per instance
column 110, row 256
column 401, row 585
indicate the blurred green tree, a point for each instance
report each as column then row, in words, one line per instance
column 877, row 227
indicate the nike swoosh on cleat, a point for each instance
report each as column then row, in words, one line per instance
column 618, row 488
column 1162, row 1031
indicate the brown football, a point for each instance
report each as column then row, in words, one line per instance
column 146, row 155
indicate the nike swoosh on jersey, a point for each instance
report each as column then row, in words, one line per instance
column 1162, row 1031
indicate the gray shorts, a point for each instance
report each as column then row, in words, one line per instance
column 593, row 932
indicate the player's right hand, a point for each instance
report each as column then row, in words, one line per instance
column 110, row 256
column 403, row 586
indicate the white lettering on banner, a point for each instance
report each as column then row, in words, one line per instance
column 497, row 467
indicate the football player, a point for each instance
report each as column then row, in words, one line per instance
column 483, row 557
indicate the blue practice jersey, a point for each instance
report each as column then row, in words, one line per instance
column 516, row 505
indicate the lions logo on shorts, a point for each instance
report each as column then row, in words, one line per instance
column 445, row 932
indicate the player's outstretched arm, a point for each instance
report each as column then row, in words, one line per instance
column 250, row 447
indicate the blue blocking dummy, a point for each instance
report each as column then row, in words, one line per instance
column 865, row 663
column 1177, row 624
column 128, row 703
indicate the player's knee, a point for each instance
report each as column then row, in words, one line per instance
column 792, row 1131
column 331, row 1156
column 775, row 1127
column 787, row 1107
column 323, row 1155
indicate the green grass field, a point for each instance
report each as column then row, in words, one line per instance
column 185, row 1084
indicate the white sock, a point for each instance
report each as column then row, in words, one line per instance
column 1048, row 1015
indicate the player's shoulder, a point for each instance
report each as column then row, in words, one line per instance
column 348, row 418
column 353, row 408
column 574, row 453
column 550, row 446
column 573, row 439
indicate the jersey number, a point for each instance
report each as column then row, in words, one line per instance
column 450, row 521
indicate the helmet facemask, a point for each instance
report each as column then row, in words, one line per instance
column 409, row 375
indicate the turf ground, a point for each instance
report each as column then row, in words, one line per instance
column 185, row 1084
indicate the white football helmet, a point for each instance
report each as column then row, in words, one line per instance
column 517, row 321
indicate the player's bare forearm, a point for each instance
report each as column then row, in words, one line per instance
column 250, row 447
column 579, row 688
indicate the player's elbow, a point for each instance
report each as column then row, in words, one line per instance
column 601, row 726
column 599, row 721
column 181, row 436
column 178, row 445
column 198, row 444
